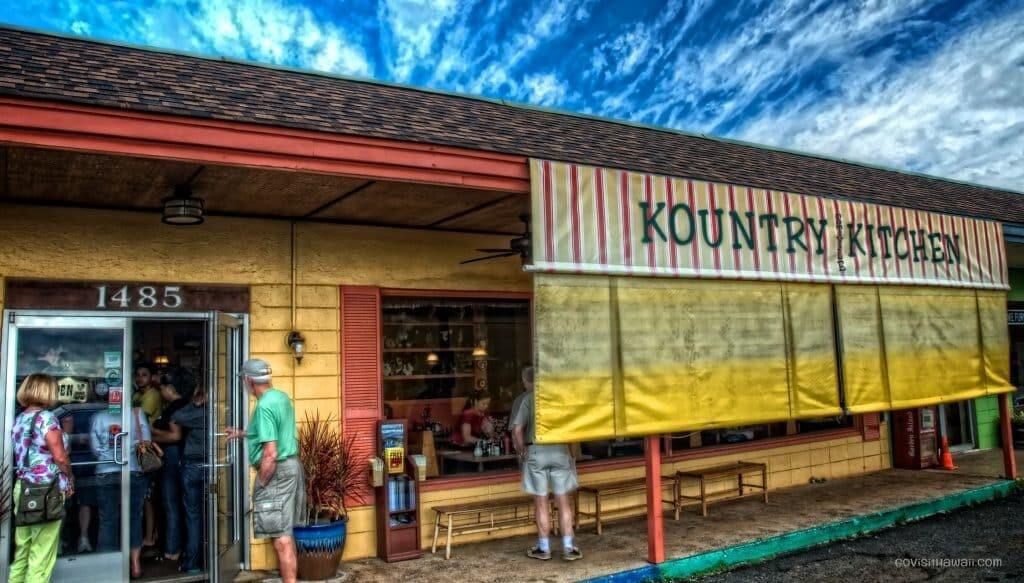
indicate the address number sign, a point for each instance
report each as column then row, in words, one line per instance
column 125, row 296
column 146, row 297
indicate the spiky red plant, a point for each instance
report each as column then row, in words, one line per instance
column 330, row 466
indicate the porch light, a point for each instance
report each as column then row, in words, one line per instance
column 182, row 208
column 297, row 343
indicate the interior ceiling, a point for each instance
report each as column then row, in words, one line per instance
column 127, row 183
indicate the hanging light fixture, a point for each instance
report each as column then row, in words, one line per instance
column 161, row 360
column 182, row 208
column 480, row 352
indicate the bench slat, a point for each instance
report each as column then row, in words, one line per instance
column 485, row 505
column 723, row 471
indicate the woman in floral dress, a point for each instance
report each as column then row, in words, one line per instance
column 40, row 457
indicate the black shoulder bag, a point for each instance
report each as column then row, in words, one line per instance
column 38, row 503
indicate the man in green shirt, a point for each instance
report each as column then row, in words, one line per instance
column 279, row 495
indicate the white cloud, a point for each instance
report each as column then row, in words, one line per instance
column 545, row 89
column 542, row 23
column 708, row 84
column 957, row 113
column 271, row 31
column 81, row 27
column 414, row 26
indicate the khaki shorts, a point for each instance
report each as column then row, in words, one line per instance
column 549, row 468
column 281, row 504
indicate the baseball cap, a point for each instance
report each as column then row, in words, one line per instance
column 255, row 368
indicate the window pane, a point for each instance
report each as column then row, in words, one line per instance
column 452, row 361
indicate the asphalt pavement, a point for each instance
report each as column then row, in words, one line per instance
column 981, row 543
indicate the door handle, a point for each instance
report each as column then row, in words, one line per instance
column 117, row 438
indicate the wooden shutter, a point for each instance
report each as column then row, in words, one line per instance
column 361, row 380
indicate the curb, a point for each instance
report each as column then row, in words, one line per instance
column 766, row 548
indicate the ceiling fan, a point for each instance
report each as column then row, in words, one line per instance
column 518, row 246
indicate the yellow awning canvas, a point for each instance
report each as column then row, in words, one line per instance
column 665, row 305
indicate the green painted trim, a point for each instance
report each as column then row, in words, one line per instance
column 852, row 527
column 517, row 105
column 986, row 418
column 766, row 548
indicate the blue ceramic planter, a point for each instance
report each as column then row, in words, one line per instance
column 319, row 549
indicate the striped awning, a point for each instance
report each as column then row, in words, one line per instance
column 616, row 222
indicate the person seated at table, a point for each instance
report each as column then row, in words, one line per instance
column 474, row 424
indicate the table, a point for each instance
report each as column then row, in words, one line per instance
column 468, row 457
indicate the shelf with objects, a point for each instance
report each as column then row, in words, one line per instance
column 450, row 360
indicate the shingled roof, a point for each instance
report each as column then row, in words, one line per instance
column 42, row 66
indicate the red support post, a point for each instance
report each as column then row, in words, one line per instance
column 1006, row 431
column 655, row 527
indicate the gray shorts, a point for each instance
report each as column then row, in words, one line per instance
column 281, row 504
column 549, row 468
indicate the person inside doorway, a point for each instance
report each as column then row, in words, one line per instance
column 106, row 426
column 173, row 391
column 146, row 393
column 188, row 427
column 546, row 468
column 279, row 495
column 146, row 397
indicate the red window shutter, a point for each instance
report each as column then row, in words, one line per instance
column 870, row 426
column 360, row 378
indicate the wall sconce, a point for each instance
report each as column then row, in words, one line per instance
column 432, row 358
column 297, row 343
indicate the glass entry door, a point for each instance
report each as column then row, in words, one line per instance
column 227, row 467
column 90, row 358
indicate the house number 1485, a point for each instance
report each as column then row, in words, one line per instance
column 145, row 297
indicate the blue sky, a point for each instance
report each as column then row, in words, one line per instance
column 930, row 86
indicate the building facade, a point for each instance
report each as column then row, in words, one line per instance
column 345, row 210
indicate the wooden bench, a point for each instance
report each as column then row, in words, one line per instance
column 483, row 516
column 728, row 471
column 618, row 488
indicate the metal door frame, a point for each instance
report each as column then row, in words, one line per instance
column 8, row 370
column 129, row 316
column 237, row 455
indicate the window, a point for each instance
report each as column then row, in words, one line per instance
column 747, row 433
column 449, row 360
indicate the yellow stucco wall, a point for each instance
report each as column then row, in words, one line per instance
column 54, row 243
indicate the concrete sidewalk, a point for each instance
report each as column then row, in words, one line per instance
column 623, row 545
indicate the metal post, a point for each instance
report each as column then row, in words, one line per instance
column 1006, row 431
column 655, row 526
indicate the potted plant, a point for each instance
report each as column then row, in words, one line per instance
column 329, row 463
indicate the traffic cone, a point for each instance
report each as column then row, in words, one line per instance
column 946, row 458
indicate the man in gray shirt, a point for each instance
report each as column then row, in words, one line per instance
column 546, row 468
